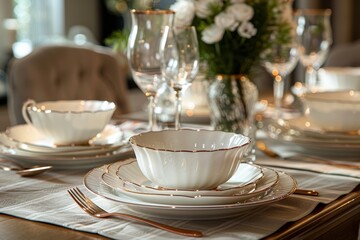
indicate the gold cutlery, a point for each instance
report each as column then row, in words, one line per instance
column 92, row 209
column 309, row 192
column 262, row 146
column 24, row 172
column 303, row 158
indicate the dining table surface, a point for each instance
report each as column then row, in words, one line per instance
column 40, row 208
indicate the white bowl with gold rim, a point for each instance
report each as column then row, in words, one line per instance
column 339, row 78
column 334, row 111
column 68, row 121
column 189, row 159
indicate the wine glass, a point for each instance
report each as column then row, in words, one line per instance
column 280, row 61
column 180, row 61
column 314, row 36
column 143, row 52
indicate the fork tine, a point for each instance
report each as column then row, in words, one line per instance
column 92, row 209
column 81, row 202
column 76, row 199
column 89, row 203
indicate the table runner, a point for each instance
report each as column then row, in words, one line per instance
column 45, row 199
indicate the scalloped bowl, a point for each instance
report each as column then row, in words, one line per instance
column 339, row 78
column 334, row 111
column 69, row 121
column 189, row 159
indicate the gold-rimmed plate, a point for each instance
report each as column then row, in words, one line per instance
column 129, row 173
column 285, row 187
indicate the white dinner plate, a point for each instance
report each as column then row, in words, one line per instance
column 258, row 190
column 93, row 182
column 129, row 173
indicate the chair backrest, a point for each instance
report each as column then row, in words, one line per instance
column 67, row 73
column 346, row 55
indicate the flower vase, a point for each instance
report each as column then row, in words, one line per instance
column 232, row 100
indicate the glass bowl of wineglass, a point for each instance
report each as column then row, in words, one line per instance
column 179, row 52
column 143, row 52
column 314, row 36
column 280, row 60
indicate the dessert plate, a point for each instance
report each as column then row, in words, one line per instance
column 129, row 173
column 158, row 196
column 93, row 182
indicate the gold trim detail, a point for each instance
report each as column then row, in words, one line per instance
column 134, row 11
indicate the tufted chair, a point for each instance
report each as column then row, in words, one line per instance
column 67, row 73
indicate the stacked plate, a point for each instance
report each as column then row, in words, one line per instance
column 251, row 186
column 302, row 132
column 25, row 145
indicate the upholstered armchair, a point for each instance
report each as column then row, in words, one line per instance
column 67, row 73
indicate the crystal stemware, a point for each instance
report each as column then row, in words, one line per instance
column 180, row 61
column 280, row 61
column 314, row 36
column 143, row 52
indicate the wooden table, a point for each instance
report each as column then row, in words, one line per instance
column 337, row 220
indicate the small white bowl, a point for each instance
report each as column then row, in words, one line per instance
column 334, row 111
column 339, row 78
column 68, row 122
column 189, row 159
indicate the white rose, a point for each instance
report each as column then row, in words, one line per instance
column 212, row 34
column 203, row 7
column 226, row 21
column 247, row 30
column 184, row 12
column 241, row 11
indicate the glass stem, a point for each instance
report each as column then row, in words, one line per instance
column 178, row 108
column 310, row 78
column 151, row 109
column 278, row 93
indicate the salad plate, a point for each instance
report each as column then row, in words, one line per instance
column 129, row 173
column 284, row 188
column 259, row 189
column 27, row 138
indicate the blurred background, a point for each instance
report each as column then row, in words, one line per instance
column 28, row 24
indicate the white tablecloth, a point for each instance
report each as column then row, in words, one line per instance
column 44, row 198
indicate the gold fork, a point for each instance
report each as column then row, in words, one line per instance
column 92, row 209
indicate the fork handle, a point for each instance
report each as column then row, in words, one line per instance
column 184, row 232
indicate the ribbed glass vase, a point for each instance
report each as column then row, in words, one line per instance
column 232, row 100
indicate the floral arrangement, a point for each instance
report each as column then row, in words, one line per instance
column 234, row 33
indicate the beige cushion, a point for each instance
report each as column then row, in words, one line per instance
column 67, row 73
